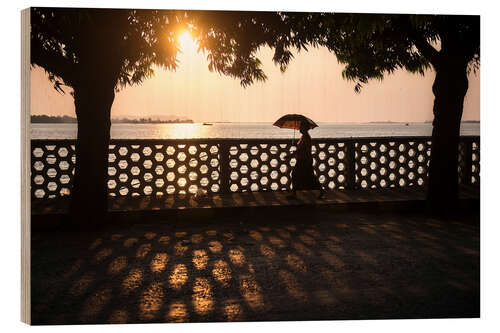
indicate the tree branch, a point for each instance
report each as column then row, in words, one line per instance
column 51, row 62
column 426, row 49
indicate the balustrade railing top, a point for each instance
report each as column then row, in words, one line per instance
column 170, row 166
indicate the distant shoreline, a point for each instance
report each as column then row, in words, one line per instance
column 45, row 119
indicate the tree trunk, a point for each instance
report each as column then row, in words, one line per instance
column 89, row 195
column 449, row 88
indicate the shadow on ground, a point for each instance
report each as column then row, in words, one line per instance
column 327, row 266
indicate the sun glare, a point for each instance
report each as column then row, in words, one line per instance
column 186, row 42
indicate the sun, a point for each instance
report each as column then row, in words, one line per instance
column 186, row 42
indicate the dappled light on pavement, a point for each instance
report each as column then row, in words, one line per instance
column 351, row 266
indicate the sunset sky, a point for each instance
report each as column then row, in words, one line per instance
column 312, row 85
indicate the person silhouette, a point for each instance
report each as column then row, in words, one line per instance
column 303, row 177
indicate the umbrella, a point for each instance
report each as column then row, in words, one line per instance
column 293, row 121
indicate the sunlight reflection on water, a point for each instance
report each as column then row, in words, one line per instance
column 244, row 130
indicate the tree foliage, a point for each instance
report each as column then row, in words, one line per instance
column 136, row 40
column 373, row 45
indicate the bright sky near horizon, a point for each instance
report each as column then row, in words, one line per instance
column 312, row 85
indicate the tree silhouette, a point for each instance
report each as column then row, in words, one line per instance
column 97, row 51
column 372, row 46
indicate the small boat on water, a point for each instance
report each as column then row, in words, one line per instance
column 207, row 124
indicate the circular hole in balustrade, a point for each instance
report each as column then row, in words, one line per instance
column 182, row 169
column 148, row 190
column 148, row 177
column 243, row 157
column 254, row 163
column 134, row 170
column 39, row 193
column 38, row 152
column 38, row 179
column 193, row 189
column 52, row 186
column 204, row 182
column 181, row 156
column 123, row 177
column 170, row 189
column 170, row 150
column 146, row 151
column 134, row 157
column 159, row 170
column 203, row 169
column 62, row 152
column 64, row 165
column 214, row 150
column 159, row 183
column 243, row 169
column 51, row 159
column 64, row 179
column 123, row 151
column 181, row 182
column 159, row 157
column 170, row 176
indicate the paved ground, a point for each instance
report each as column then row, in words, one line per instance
column 255, row 199
column 306, row 264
